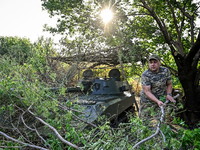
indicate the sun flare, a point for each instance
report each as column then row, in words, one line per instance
column 106, row 15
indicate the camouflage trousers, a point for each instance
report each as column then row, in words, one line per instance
column 150, row 111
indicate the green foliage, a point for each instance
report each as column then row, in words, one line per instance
column 176, row 83
column 16, row 48
column 23, row 85
column 179, row 122
column 73, row 135
column 55, row 143
column 189, row 138
column 162, row 98
column 10, row 145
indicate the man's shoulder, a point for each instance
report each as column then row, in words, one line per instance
column 164, row 69
column 146, row 72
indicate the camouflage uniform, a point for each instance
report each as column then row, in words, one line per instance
column 157, row 81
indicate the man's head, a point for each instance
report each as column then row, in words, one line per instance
column 154, row 63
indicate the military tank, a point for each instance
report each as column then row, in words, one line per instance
column 107, row 96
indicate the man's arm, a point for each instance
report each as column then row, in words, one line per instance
column 147, row 91
column 169, row 91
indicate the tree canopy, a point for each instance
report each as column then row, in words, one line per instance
column 138, row 27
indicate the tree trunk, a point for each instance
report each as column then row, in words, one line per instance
column 191, row 102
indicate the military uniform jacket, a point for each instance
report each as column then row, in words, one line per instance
column 157, row 81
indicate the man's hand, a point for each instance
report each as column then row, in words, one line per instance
column 160, row 103
column 170, row 98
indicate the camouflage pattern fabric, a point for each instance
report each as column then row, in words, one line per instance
column 148, row 110
column 157, row 81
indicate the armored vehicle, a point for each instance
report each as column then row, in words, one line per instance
column 104, row 96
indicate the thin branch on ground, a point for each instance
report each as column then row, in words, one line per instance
column 25, row 144
column 33, row 129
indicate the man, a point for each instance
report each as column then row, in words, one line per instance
column 156, row 82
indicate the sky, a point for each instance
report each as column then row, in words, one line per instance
column 25, row 19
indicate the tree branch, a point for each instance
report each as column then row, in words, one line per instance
column 55, row 131
column 196, row 60
column 33, row 130
column 179, row 44
column 191, row 17
column 160, row 23
column 195, row 48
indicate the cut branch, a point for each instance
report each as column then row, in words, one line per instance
column 25, row 144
